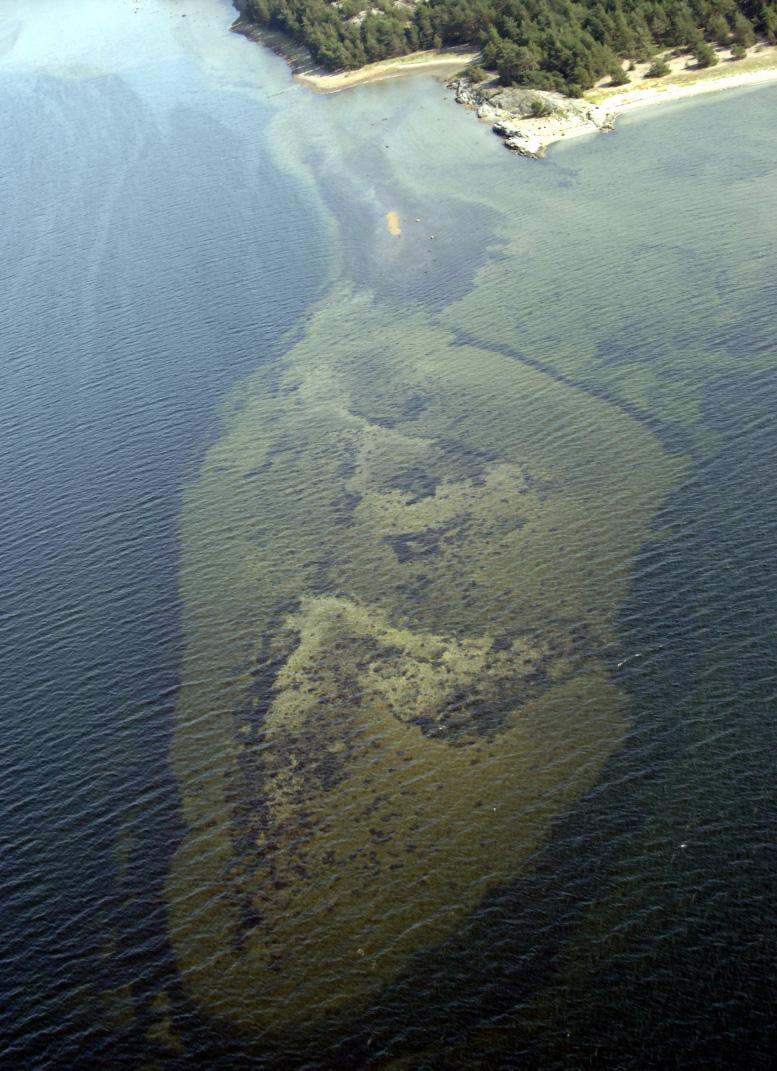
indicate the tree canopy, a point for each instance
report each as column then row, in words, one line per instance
column 564, row 45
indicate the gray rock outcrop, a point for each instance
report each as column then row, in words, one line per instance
column 528, row 120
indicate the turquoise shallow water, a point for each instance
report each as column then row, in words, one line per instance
column 184, row 231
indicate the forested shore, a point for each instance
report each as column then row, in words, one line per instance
column 557, row 45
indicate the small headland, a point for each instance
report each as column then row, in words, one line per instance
column 530, row 120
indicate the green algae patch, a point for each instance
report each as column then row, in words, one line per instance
column 402, row 563
column 161, row 1033
column 118, row 1006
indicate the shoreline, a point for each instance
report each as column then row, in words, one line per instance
column 596, row 111
column 599, row 108
column 640, row 98
column 443, row 62
column 758, row 68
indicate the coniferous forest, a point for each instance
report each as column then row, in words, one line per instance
column 564, row 45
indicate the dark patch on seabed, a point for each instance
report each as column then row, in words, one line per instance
column 674, row 438
column 669, row 813
column 444, row 241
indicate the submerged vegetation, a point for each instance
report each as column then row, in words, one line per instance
column 407, row 594
column 546, row 44
column 405, row 563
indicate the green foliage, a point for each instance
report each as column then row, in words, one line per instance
column 539, row 108
column 705, row 55
column 767, row 22
column 658, row 68
column 563, row 45
column 743, row 32
column 738, row 52
column 718, row 29
column 618, row 77
column 475, row 73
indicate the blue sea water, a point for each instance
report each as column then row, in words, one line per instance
column 172, row 208
column 145, row 268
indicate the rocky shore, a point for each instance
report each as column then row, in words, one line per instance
column 529, row 120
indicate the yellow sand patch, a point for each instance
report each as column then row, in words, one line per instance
column 392, row 224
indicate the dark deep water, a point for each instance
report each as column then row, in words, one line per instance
column 144, row 271
column 154, row 254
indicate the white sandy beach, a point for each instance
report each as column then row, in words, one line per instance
column 683, row 81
